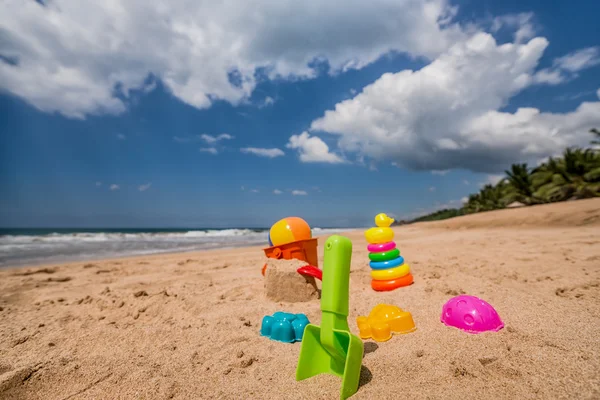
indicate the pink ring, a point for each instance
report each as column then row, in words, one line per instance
column 376, row 248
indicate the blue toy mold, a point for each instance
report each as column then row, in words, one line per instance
column 284, row 327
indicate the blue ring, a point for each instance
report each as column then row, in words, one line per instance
column 387, row 264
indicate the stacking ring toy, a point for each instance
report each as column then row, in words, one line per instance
column 390, row 274
column 387, row 264
column 384, row 256
column 379, row 235
column 377, row 248
column 383, row 286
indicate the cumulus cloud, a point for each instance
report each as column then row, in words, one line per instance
column 299, row 193
column 143, row 188
column 72, row 57
column 277, row 191
column 446, row 116
column 269, row 153
column 312, row 149
column 114, row 186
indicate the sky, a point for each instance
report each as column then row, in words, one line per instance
column 197, row 114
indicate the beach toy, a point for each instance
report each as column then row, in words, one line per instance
column 471, row 314
column 383, row 321
column 331, row 348
column 383, row 220
column 392, row 273
column 377, row 248
column 379, row 235
column 384, row 255
column 388, row 269
column 384, row 286
column 387, row 264
column 284, row 327
column 288, row 230
column 291, row 238
column 309, row 270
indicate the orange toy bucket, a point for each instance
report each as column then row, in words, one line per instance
column 305, row 250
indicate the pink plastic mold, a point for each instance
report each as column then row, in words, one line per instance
column 471, row 314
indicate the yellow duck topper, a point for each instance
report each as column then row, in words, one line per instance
column 382, row 233
column 383, row 221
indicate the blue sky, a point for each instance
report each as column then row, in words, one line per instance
column 418, row 115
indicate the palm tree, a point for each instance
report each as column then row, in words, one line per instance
column 521, row 186
column 575, row 175
column 596, row 133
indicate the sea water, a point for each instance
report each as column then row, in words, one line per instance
column 41, row 246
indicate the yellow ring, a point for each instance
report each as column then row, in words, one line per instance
column 379, row 235
column 391, row 273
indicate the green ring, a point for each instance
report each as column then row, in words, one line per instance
column 384, row 256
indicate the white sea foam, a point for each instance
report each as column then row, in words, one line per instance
column 59, row 247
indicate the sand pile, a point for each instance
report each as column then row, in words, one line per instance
column 283, row 283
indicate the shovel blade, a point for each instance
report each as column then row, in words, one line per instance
column 316, row 359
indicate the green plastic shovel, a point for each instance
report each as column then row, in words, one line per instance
column 331, row 348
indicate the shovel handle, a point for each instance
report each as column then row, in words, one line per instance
column 336, row 275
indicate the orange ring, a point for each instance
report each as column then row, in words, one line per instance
column 384, row 286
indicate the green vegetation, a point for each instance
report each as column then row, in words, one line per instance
column 574, row 175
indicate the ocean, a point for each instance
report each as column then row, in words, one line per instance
column 41, row 246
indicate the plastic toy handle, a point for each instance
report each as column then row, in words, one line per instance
column 336, row 275
column 310, row 270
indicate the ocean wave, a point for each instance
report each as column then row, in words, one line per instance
column 67, row 246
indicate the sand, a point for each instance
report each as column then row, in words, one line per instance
column 186, row 326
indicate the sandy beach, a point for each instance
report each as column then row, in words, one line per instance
column 186, row 326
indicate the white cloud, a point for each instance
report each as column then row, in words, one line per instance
column 464, row 200
column 114, row 186
column 98, row 183
column 299, row 193
column 254, row 190
column 579, row 60
column 466, row 182
column 243, row 188
column 214, row 139
column 72, row 54
column 268, row 101
column 440, row 172
column 521, row 23
column 277, row 191
column 269, row 153
column 432, row 189
column 566, row 67
column 143, row 188
column 312, row 149
column 210, row 150
column 445, row 116
column 492, row 179
column 120, row 136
